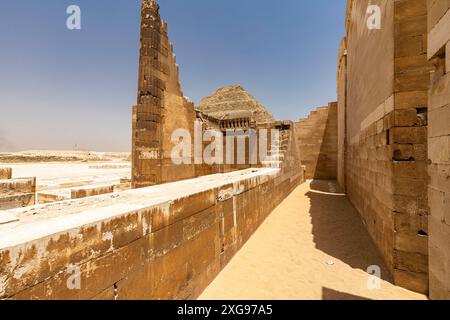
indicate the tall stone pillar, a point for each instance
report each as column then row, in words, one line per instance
column 161, row 107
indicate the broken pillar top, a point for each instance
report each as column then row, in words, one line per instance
column 150, row 4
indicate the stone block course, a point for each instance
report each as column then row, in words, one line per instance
column 316, row 139
column 15, row 193
column 162, row 242
column 386, row 157
column 439, row 149
column 5, row 173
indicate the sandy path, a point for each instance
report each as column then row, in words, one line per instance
column 313, row 246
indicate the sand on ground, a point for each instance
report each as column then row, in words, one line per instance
column 313, row 246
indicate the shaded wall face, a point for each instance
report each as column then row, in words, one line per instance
column 387, row 81
column 341, row 113
column 439, row 148
column 317, row 142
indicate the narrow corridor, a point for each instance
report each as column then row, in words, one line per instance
column 313, row 246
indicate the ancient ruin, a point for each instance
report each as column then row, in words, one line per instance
column 234, row 99
column 158, row 229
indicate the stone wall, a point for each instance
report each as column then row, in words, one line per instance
column 161, row 106
column 341, row 113
column 90, row 191
column 15, row 193
column 439, row 148
column 5, row 173
column 317, row 142
column 386, row 123
column 162, row 109
column 160, row 242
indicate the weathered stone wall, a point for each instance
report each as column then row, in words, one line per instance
column 162, row 109
column 317, row 142
column 386, row 133
column 161, row 106
column 5, row 173
column 161, row 242
column 341, row 113
column 15, row 193
column 439, row 148
column 234, row 98
column 90, row 191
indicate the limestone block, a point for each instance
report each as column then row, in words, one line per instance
column 409, row 46
column 49, row 197
column 439, row 149
column 413, row 81
column 439, row 35
column 436, row 10
column 406, row 117
column 90, row 191
column 415, row 135
column 412, row 261
column 411, row 99
column 16, row 193
column 439, row 267
column 5, row 173
column 439, row 177
column 440, row 93
column 410, row 9
column 447, row 57
column 439, row 202
column 439, row 120
column 440, row 233
column 411, row 280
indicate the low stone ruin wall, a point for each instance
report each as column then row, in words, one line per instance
column 5, row 173
column 161, row 242
column 15, row 193
column 91, row 191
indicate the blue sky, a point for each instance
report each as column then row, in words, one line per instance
column 61, row 88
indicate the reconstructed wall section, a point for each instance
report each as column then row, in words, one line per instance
column 161, row 106
column 15, row 193
column 160, row 242
column 439, row 148
column 386, row 125
column 316, row 138
column 90, row 191
column 341, row 114
column 162, row 110
column 5, row 173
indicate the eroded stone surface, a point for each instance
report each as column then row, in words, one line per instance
column 149, row 233
column 227, row 101
column 439, row 149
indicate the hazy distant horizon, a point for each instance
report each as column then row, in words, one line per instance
column 60, row 88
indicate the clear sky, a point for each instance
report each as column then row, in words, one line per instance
column 61, row 88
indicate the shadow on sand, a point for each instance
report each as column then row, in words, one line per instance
column 338, row 230
column 330, row 294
